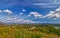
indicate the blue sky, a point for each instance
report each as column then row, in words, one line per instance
column 30, row 11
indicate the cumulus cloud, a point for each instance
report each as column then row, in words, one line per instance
column 8, row 11
column 35, row 14
column 53, row 14
column 21, row 13
column 50, row 14
column 15, row 20
column 23, row 10
column 1, row 11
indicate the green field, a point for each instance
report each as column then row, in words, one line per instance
column 28, row 31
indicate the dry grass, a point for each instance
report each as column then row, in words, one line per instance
column 15, row 31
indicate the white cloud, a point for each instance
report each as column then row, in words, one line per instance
column 50, row 14
column 50, row 4
column 53, row 14
column 15, row 20
column 23, row 10
column 0, row 11
column 58, row 9
column 35, row 14
column 21, row 13
column 39, row 4
column 8, row 11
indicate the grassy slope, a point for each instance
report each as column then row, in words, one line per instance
column 24, row 32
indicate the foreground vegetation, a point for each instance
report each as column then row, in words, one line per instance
column 28, row 31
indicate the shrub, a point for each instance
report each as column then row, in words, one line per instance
column 51, row 29
column 58, row 31
column 36, row 36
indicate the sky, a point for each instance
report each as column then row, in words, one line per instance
column 29, row 11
